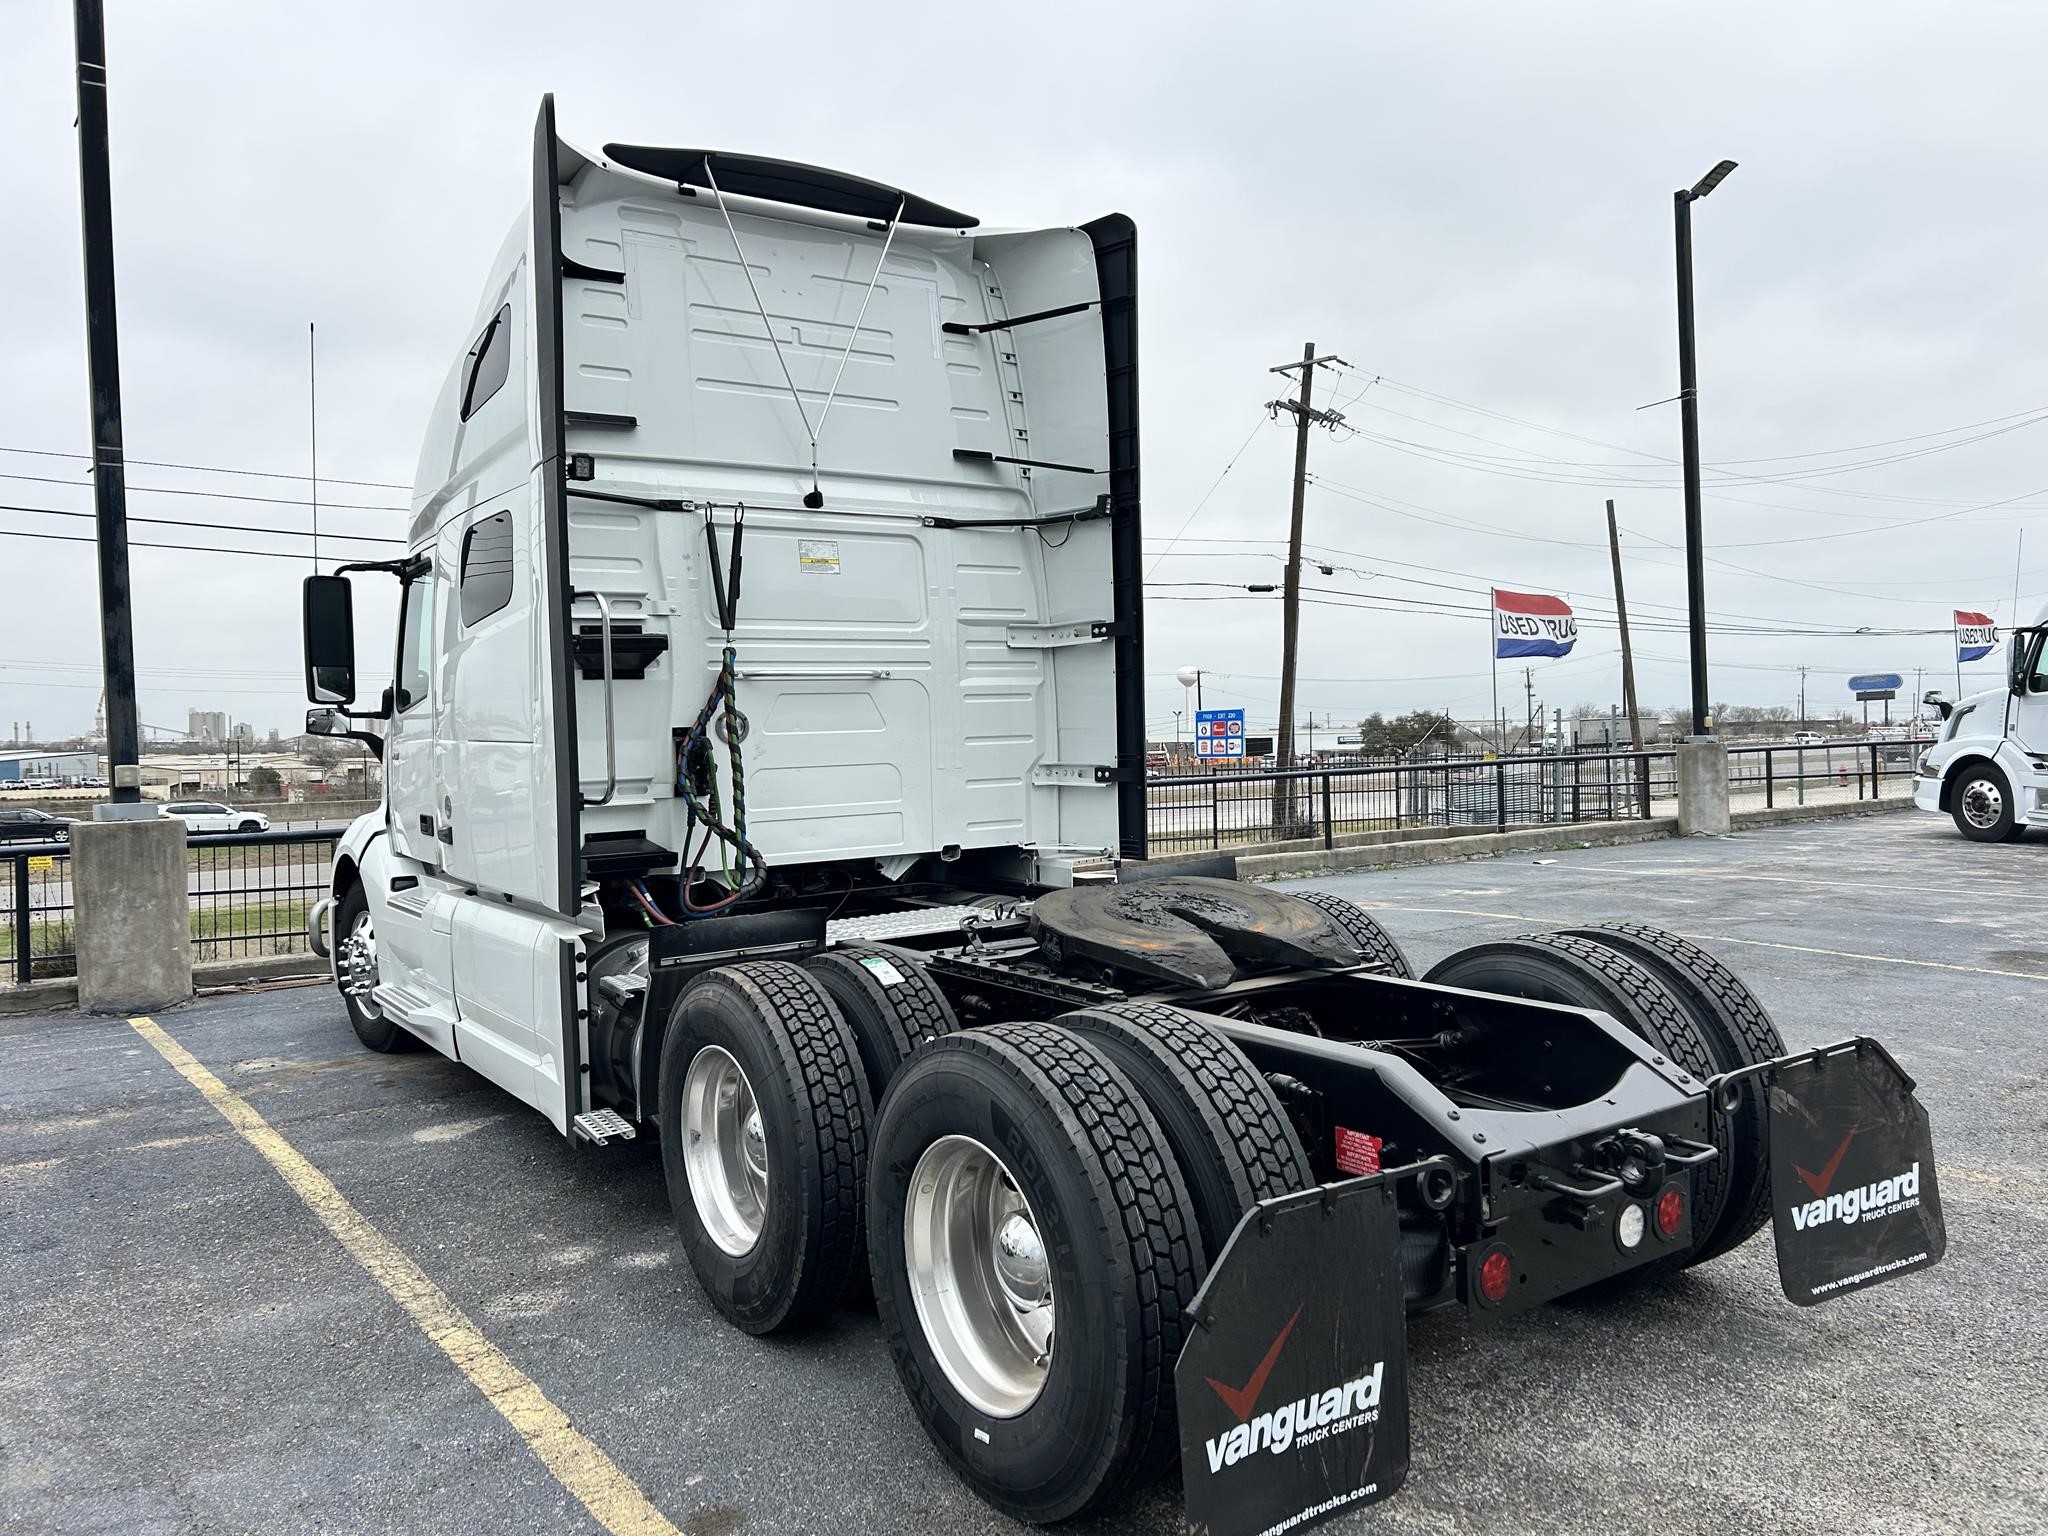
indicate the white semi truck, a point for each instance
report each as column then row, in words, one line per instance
column 1988, row 769
column 764, row 775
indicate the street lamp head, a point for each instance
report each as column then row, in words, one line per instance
column 1713, row 178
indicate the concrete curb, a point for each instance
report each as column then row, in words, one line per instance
column 60, row 993
column 1779, row 815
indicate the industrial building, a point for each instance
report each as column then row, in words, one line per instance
column 64, row 767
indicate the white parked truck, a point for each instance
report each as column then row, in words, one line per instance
column 1988, row 769
column 764, row 774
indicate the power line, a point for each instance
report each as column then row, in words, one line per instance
column 196, row 549
column 1189, row 520
column 179, row 522
column 216, row 469
column 166, row 490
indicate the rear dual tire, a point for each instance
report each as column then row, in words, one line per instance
column 1108, row 1222
column 764, row 1112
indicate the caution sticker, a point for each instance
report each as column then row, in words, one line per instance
column 887, row 973
column 1357, row 1153
column 817, row 557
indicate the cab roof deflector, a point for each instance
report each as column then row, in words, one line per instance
column 785, row 181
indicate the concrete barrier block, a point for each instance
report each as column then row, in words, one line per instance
column 1702, row 768
column 132, row 927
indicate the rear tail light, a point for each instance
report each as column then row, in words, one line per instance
column 1670, row 1212
column 1496, row 1276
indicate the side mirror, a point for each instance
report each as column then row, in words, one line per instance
column 324, row 722
column 2018, row 652
column 330, row 631
column 1941, row 705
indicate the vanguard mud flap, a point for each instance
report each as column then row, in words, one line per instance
column 1853, row 1196
column 1293, row 1385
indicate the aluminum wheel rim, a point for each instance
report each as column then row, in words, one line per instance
column 725, row 1151
column 979, row 1276
column 1983, row 804
column 358, row 965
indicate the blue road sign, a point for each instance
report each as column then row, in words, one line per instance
column 1219, row 733
column 1876, row 682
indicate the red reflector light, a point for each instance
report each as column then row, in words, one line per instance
column 1495, row 1274
column 1670, row 1212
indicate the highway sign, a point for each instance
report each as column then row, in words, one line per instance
column 1876, row 682
column 1219, row 733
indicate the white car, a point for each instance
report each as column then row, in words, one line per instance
column 212, row 816
column 1808, row 739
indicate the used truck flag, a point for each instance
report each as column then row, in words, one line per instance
column 1976, row 635
column 1531, row 624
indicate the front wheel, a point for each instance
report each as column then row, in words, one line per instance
column 1981, row 803
column 355, row 971
column 250, row 826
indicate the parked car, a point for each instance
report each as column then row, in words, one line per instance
column 24, row 824
column 92, row 781
column 212, row 816
column 1808, row 739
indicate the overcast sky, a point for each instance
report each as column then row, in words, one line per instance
column 1470, row 204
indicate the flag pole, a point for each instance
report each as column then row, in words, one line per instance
column 1493, row 655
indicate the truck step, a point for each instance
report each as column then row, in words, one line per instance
column 603, row 1125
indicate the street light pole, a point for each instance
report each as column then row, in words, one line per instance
column 1689, row 419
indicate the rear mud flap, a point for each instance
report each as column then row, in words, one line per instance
column 1293, row 1385
column 1853, row 1195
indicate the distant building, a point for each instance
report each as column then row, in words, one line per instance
column 62, row 766
column 245, row 733
column 206, row 725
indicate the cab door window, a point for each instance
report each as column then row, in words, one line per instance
column 415, row 644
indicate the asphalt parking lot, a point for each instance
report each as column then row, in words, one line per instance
column 186, row 1347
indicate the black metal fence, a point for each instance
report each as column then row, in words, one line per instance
column 1219, row 810
column 1873, row 770
column 248, row 892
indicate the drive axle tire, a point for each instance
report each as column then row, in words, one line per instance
column 1739, row 1033
column 1562, row 968
column 1982, row 805
column 1373, row 941
column 1221, row 1119
column 890, row 1001
column 354, row 925
column 1018, row 1177
column 764, row 1114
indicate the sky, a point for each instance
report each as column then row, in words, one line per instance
column 1470, row 205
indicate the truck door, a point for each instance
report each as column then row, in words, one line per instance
column 409, row 745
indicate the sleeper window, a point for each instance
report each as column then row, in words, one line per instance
column 490, row 360
column 486, row 568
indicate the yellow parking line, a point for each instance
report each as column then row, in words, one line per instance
column 612, row 1498
column 1727, row 938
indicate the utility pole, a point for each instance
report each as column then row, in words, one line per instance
column 1305, row 416
column 1802, row 698
column 1628, row 659
column 1689, row 430
column 103, row 361
column 1529, row 705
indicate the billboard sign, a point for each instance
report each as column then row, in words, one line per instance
column 1877, row 682
column 1219, row 733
